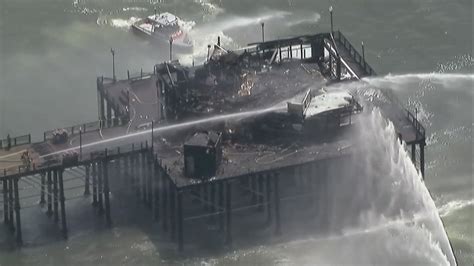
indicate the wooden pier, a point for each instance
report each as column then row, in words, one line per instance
column 256, row 179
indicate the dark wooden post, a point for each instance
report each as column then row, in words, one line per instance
column 180, row 220
column 268, row 191
column 157, row 186
column 277, row 204
column 55, row 196
column 17, row 213
column 49, row 212
column 228, row 211
column 165, row 203
column 43, row 177
column 221, row 205
column 5, row 201
column 63, row 204
column 94, row 184
column 100, row 191
column 86, row 189
column 413, row 153
column 260, row 193
column 422, row 159
column 11, row 202
column 106, row 193
column 172, row 200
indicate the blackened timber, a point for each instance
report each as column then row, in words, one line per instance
column 100, row 191
column 228, row 212
column 55, row 196
column 108, row 219
column 268, row 198
column 49, row 212
column 94, row 184
column 17, row 212
column 276, row 195
column 422, row 159
column 172, row 201
column 5, row 201
column 11, row 202
column 43, row 177
column 62, row 200
column 260, row 192
column 87, row 185
column 221, row 205
column 180, row 220
column 164, row 202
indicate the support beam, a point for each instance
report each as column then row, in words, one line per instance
column 100, row 200
column 260, row 193
column 55, row 196
column 268, row 191
column 156, row 209
column 106, row 193
column 413, row 153
column 276, row 193
column 62, row 200
column 43, row 181
column 221, row 206
column 19, row 239
column 94, row 184
column 87, row 185
column 228, row 212
column 180, row 220
column 165, row 203
column 5, row 202
column 11, row 202
column 49, row 212
column 172, row 201
column 422, row 159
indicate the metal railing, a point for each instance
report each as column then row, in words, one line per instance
column 56, row 161
column 15, row 141
column 71, row 130
column 354, row 53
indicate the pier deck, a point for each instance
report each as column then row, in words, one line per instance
column 258, row 148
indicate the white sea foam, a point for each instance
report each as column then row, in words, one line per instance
column 453, row 206
column 134, row 8
column 312, row 19
column 122, row 23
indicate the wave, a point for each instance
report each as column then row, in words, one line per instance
column 453, row 206
column 209, row 8
column 314, row 18
column 134, row 8
column 122, row 23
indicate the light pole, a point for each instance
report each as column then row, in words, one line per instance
column 363, row 51
column 263, row 31
column 330, row 11
column 112, row 51
column 171, row 49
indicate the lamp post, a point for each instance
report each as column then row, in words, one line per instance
column 171, row 49
column 330, row 11
column 263, row 31
column 112, row 51
column 363, row 51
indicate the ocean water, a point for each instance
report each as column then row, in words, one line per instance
column 52, row 50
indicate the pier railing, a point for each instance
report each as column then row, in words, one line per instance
column 354, row 53
column 71, row 130
column 56, row 161
column 420, row 129
column 15, row 141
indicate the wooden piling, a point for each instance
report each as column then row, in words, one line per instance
column 11, row 202
column 49, row 198
column 100, row 189
column 5, row 201
column 268, row 192
column 260, row 193
column 19, row 239
column 62, row 200
column 276, row 196
column 180, row 220
column 43, row 177
column 87, row 178
column 106, row 193
column 221, row 205
column 228, row 211
column 94, row 184
column 55, row 196
column 172, row 209
column 165, row 203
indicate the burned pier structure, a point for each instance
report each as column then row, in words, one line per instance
column 231, row 141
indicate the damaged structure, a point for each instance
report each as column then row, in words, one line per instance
column 235, row 136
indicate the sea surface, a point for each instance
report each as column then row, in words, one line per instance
column 51, row 51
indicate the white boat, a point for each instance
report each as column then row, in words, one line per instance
column 163, row 27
